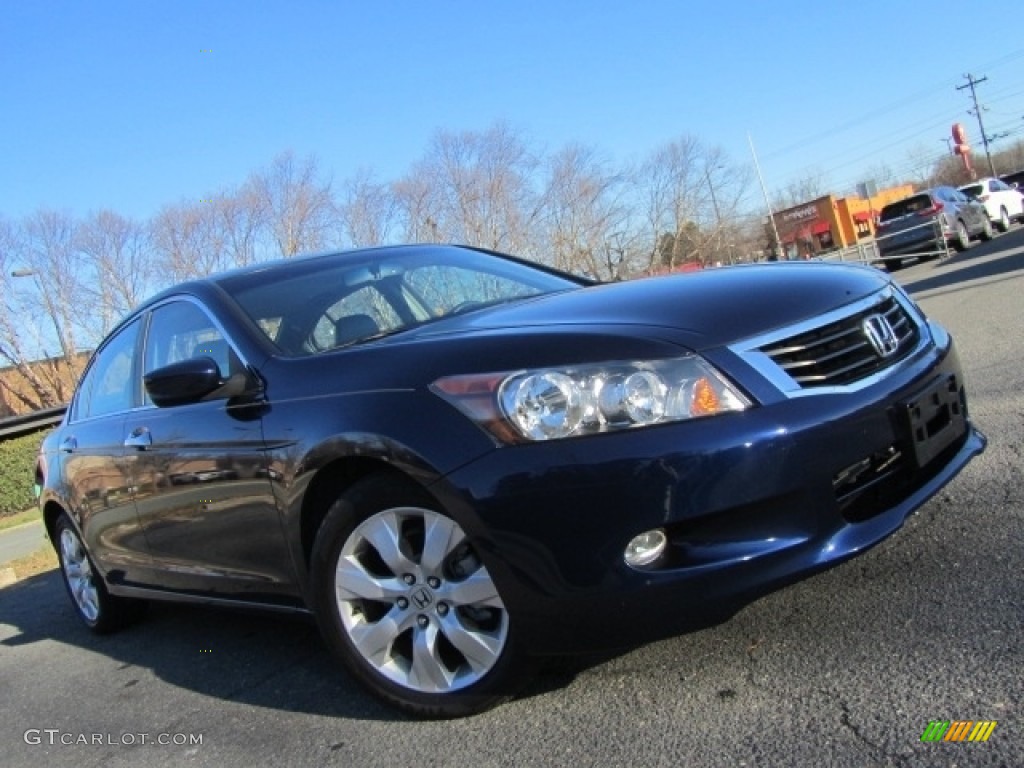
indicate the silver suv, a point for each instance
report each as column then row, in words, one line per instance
column 927, row 222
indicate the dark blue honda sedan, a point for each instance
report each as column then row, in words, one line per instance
column 458, row 461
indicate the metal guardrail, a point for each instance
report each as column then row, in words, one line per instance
column 869, row 253
column 941, row 247
column 16, row 426
column 861, row 253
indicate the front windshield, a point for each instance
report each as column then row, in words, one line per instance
column 312, row 305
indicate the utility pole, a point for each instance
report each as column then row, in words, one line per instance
column 971, row 82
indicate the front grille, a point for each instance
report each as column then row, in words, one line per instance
column 841, row 352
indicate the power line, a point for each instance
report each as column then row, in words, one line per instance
column 971, row 82
column 1003, row 94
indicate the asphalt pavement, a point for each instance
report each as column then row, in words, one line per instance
column 21, row 541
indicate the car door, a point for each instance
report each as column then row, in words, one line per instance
column 97, row 474
column 202, row 489
column 974, row 213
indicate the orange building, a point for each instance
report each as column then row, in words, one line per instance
column 828, row 223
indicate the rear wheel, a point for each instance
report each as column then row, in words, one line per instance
column 963, row 239
column 404, row 600
column 98, row 609
column 893, row 264
column 1004, row 220
column 986, row 230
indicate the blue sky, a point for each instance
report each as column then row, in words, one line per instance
column 132, row 105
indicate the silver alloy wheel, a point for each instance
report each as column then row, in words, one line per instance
column 417, row 603
column 78, row 573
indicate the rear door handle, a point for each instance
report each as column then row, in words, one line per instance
column 68, row 444
column 139, row 438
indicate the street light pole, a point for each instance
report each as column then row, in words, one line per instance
column 51, row 310
column 767, row 202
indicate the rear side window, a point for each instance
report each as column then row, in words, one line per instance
column 108, row 385
column 973, row 191
column 905, row 207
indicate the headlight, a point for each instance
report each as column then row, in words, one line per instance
column 551, row 403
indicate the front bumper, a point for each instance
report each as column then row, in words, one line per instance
column 750, row 501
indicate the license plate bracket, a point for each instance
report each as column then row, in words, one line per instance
column 935, row 418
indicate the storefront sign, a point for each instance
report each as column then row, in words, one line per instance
column 799, row 214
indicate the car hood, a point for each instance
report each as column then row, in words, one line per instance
column 709, row 308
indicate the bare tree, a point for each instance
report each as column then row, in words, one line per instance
column 417, row 207
column 480, row 189
column 585, row 221
column 812, row 185
column 1011, row 158
column 46, row 308
column 187, row 241
column 920, row 164
column 673, row 197
column 297, row 203
column 35, row 390
column 117, row 252
column 240, row 217
column 881, row 174
column 368, row 211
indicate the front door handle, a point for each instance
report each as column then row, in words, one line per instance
column 139, row 438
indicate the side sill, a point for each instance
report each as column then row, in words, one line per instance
column 219, row 602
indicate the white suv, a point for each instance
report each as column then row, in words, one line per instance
column 1003, row 202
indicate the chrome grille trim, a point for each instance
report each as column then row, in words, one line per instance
column 777, row 354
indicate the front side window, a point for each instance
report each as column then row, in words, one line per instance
column 107, row 386
column 181, row 330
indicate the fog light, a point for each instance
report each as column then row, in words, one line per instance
column 645, row 548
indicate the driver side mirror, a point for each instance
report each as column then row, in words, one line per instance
column 190, row 381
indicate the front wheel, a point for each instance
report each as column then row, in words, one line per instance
column 986, row 231
column 1004, row 220
column 404, row 600
column 98, row 609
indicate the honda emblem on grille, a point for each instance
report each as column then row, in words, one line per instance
column 880, row 335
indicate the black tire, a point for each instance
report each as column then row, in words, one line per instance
column 1004, row 220
column 986, row 231
column 96, row 607
column 408, row 630
column 893, row 264
column 963, row 238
